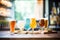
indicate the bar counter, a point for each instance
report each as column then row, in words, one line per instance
column 6, row 34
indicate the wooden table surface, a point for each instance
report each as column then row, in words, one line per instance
column 6, row 34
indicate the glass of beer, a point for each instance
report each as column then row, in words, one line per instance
column 12, row 24
column 46, row 23
column 42, row 24
column 33, row 24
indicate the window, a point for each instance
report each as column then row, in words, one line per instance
column 27, row 8
column 23, row 9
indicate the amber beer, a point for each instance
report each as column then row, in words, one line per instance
column 12, row 26
column 41, row 23
column 46, row 23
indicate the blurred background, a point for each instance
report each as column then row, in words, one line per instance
column 22, row 9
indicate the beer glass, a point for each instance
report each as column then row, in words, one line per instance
column 12, row 24
column 27, row 25
column 20, row 25
column 33, row 24
column 46, row 23
column 42, row 24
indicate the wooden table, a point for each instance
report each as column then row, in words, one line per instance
column 6, row 34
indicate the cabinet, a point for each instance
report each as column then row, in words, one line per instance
column 54, row 19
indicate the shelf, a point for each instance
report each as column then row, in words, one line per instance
column 4, row 6
column 5, row 16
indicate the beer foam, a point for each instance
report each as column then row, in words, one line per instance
column 12, row 20
column 43, row 18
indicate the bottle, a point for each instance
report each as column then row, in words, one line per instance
column 53, row 15
column 54, row 9
column 51, row 18
column 58, row 15
column 58, row 8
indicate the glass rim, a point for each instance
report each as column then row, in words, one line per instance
column 12, row 20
